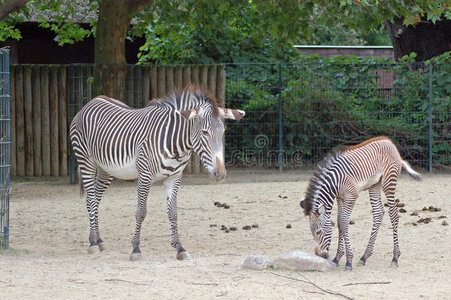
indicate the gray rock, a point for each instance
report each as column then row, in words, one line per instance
column 294, row 260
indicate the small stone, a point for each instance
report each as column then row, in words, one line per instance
column 414, row 213
column 226, row 206
column 223, row 227
column 442, row 217
column 444, row 223
column 414, row 224
column 400, row 204
column 218, row 204
column 386, row 204
column 233, row 228
column 255, row 225
column 288, row 226
column 424, row 208
column 402, row 210
column 247, row 227
column 332, row 223
column 352, row 222
column 227, row 230
column 396, row 200
column 213, row 225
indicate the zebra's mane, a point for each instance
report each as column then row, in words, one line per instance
column 322, row 169
column 178, row 100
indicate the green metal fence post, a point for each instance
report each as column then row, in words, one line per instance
column 280, row 120
column 430, row 118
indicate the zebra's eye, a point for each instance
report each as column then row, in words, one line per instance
column 318, row 231
column 205, row 132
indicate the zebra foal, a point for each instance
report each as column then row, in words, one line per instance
column 150, row 144
column 372, row 165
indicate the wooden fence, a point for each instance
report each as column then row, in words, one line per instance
column 44, row 98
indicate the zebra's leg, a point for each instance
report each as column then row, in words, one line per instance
column 344, row 224
column 378, row 213
column 102, row 182
column 389, row 190
column 88, row 177
column 172, row 185
column 340, row 248
column 144, row 183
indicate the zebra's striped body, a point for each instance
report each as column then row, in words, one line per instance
column 154, row 143
column 373, row 165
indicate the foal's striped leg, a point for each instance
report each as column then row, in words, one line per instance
column 378, row 213
column 389, row 188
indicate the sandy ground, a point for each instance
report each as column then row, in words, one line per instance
column 49, row 238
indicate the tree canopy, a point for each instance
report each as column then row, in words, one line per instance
column 185, row 31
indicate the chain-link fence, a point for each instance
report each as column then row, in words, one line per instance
column 5, row 141
column 296, row 113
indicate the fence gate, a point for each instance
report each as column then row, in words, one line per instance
column 5, row 142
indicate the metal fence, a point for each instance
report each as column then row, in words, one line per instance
column 5, row 141
column 296, row 113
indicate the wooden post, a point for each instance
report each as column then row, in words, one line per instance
column 153, row 83
column 13, row 170
column 146, row 86
column 138, row 86
column 169, row 80
column 195, row 75
column 62, row 120
column 203, row 77
column 161, row 89
column 129, row 85
column 220, row 85
column 212, row 80
column 28, row 101
column 45, row 125
column 36, row 87
column 20, row 122
column 53, row 101
column 178, row 78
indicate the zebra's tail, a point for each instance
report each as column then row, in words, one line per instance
column 415, row 175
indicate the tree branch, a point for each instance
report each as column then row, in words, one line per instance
column 11, row 6
column 137, row 5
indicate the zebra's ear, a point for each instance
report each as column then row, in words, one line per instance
column 191, row 113
column 302, row 202
column 234, row 114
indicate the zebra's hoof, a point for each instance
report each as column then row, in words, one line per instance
column 394, row 264
column 361, row 263
column 348, row 266
column 93, row 249
column 101, row 246
column 184, row 255
column 136, row 256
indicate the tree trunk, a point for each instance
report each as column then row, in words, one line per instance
column 424, row 38
column 110, row 69
column 11, row 6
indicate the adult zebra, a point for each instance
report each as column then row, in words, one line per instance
column 373, row 165
column 154, row 143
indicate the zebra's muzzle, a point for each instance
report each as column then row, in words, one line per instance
column 219, row 172
column 323, row 254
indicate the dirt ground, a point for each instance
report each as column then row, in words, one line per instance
column 49, row 237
